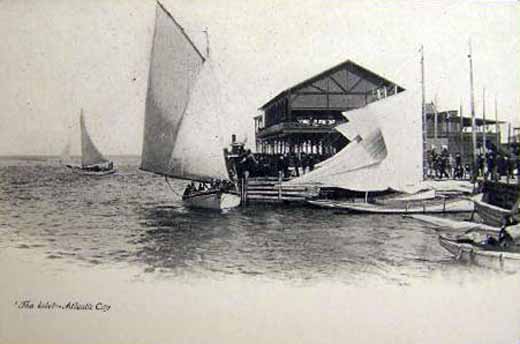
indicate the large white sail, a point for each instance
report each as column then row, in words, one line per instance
column 90, row 155
column 174, row 66
column 183, row 136
column 199, row 148
column 385, row 152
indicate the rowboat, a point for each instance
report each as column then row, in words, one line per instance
column 438, row 207
column 491, row 214
column 471, row 253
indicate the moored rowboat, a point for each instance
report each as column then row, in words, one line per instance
column 447, row 206
column 467, row 252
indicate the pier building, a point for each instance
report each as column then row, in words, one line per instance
column 301, row 119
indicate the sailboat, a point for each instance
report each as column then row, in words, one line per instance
column 93, row 163
column 183, row 128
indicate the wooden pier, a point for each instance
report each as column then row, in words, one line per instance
column 273, row 190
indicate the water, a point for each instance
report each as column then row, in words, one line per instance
column 134, row 219
column 257, row 275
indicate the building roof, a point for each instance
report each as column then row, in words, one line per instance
column 379, row 80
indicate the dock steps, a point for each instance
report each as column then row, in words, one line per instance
column 271, row 190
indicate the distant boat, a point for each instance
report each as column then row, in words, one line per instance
column 93, row 163
column 184, row 125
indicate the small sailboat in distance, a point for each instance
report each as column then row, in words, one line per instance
column 93, row 163
column 184, row 127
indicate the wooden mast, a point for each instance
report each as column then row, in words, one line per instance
column 472, row 107
column 497, row 126
column 424, row 133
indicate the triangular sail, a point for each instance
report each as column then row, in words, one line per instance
column 199, row 148
column 90, row 155
column 385, row 152
column 174, row 66
column 182, row 134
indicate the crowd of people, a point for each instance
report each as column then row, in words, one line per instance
column 271, row 165
column 492, row 164
column 213, row 185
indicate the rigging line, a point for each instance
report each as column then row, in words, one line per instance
column 171, row 188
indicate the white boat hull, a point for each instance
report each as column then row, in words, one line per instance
column 456, row 206
column 216, row 200
column 507, row 261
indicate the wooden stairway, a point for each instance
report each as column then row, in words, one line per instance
column 271, row 190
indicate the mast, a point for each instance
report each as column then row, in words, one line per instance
column 484, row 140
column 424, row 133
column 435, row 121
column 472, row 107
column 497, row 126
column 207, row 42
column 461, row 130
column 484, row 126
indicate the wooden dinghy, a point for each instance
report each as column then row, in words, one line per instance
column 433, row 207
column 471, row 253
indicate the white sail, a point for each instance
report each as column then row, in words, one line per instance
column 385, row 152
column 199, row 148
column 174, row 65
column 182, row 134
column 90, row 155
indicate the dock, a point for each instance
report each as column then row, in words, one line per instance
column 273, row 190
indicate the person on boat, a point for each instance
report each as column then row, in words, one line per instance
column 490, row 241
column 505, row 239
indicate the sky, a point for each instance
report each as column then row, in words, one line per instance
column 59, row 56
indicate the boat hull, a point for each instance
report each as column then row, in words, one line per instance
column 506, row 261
column 490, row 214
column 215, row 200
column 85, row 172
column 454, row 206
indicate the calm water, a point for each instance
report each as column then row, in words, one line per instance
column 133, row 218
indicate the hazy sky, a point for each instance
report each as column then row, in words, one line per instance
column 63, row 55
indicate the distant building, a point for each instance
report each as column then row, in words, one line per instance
column 302, row 118
column 448, row 129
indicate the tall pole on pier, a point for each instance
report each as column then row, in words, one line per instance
column 424, row 133
column 472, row 106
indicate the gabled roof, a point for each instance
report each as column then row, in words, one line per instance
column 367, row 74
